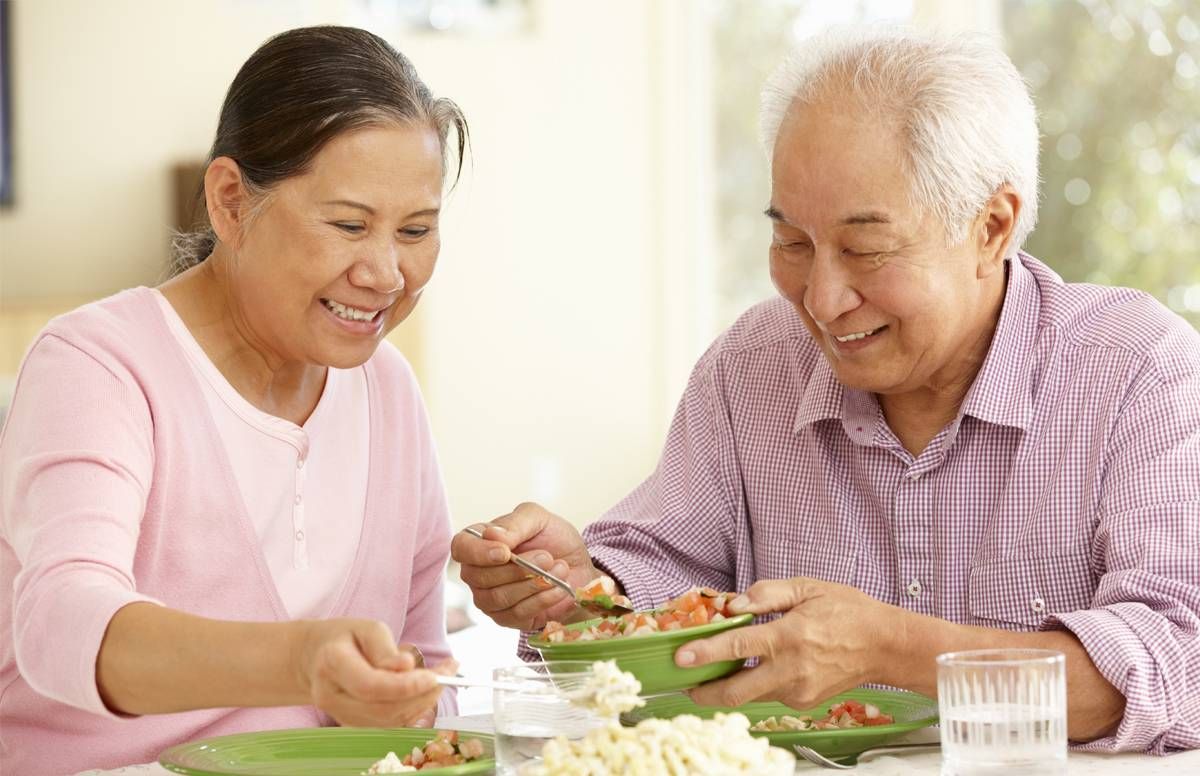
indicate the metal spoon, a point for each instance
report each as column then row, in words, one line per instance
column 615, row 609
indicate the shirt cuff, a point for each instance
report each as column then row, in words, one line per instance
column 1121, row 656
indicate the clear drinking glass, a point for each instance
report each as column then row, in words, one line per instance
column 537, row 710
column 1003, row 711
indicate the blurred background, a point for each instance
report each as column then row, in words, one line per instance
column 609, row 223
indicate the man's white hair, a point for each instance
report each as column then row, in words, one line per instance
column 965, row 114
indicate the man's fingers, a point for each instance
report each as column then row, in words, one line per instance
column 519, row 526
column 750, row 641
column 472, row 551
column 535, row 611
column 774, row 595
column 746, row 685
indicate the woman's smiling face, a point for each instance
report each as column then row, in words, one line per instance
column 338, row 256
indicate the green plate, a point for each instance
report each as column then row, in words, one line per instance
column 911, row 712
column 651, row 658
column 330, row 751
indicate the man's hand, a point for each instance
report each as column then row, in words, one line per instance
column 507, row 593
column 831, row 638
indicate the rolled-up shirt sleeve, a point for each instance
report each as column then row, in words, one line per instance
column 76, row 459
column 1143, row 630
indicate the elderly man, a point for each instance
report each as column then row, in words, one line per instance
column 929, row 442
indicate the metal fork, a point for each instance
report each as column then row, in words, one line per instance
column 850, row 761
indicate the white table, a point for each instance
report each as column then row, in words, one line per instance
column 917, row 763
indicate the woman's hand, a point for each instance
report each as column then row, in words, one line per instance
column 507, row 593
column 830, row 638
column 355, row 672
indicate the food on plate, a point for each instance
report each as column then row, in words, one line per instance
column 698, row 606
column 847, row 714
column 444, row 750
column 601, row 592
column 390, row 764
column 682, row 746
column 609, row 691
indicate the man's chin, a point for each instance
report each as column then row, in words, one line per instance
column 869, row 380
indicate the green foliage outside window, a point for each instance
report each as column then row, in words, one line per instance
column 1117, row 85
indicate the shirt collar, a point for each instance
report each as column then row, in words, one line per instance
column 1001, row 393
column 822, row 396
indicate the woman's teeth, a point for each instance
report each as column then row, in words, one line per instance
column 349, row 313
column 857, row 335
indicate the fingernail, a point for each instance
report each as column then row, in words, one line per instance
column 741, row 602
column 685, row 658
column 497, row 555
column 559, row 569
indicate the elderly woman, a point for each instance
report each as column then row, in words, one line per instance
column 220, row 501
column 929, row 442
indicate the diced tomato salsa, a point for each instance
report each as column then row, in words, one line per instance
column 602, row 592
column 444, row 750
column 847, row 714
column 698, row 606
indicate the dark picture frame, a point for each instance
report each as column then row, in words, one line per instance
column 6, row 124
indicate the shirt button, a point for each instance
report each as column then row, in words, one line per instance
column 300, row 535
column 915, row 476
column 1038, row 605
column 299, row 498
column 299, row 463
column 914, row 588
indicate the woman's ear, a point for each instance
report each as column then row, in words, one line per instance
column 226, row 199
column 999, row 220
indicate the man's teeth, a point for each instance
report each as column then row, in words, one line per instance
column 349, row 313
column 857, row 335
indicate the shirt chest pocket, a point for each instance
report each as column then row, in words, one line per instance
column 1019, row 593
column 784, row 559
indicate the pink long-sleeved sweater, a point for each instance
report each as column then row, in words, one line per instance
column 115, row 488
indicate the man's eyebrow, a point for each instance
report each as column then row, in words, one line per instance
column 865, row 217
column 868, row 217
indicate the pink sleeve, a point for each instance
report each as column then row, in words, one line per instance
column 425, row 623
column 76, row 460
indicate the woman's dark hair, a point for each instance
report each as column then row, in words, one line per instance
column 298, row 91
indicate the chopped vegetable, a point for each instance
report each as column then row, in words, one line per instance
column 698, row 606
column 444, row 750
column 847, row 714
column 601, row 592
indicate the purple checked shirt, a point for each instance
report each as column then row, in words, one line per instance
column 1066, row 494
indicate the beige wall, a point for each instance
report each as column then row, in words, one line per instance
column 556, row 334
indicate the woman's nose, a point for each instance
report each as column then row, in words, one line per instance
column 380, row 273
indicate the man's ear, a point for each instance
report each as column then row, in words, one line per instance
column 994, row 229
column 226, row 199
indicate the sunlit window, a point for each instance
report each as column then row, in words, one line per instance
column 1118, row 89
column 1117, row 85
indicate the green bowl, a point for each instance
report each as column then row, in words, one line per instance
column 328, row 751
column 651, row 658
column 910, row 710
